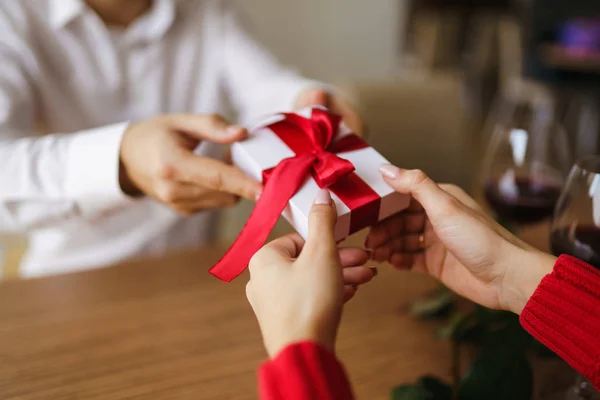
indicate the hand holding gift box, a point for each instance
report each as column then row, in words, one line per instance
column 294, row 155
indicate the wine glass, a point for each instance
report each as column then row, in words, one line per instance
column 576, row 231
column 527, row 158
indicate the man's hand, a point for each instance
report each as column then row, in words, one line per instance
column 320, row 97
column 157, row 159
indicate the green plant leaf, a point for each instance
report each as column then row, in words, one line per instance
column 463, row 328
column 437, row 305
column 411, row 392
column 500, row 372
column 438, row 388
column 427, row 388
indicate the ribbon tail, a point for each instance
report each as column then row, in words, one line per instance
column 284, row 182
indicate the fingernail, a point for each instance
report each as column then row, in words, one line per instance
column 234, row 130
column 366, row 245
column 375, row 271
column 258, row 194
column 389, row 171
column 323, row 197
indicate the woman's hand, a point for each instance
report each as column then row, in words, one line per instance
column 445, row 234
column 297, row 289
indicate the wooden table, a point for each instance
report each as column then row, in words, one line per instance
column 165, row 329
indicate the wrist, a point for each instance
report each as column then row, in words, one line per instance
column 126, row 183
column 524, row 274
column 276, row 345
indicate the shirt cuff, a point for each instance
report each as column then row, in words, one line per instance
column 304, row 371
column 563, row 315
column 93, row 169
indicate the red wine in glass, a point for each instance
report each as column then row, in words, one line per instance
column 576, row 232
column 524, row 201
column 582, row 242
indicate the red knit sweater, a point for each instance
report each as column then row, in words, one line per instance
column 563, row 313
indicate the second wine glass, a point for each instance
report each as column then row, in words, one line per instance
column 527, row 159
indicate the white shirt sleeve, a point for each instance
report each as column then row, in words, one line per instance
column 50, row 179
column 257, row 84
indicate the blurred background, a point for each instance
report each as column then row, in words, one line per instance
column 433, row 77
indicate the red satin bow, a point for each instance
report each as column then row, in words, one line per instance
column 312, row 141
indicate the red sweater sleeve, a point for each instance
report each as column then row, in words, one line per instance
column 564, row 314
column 304, row 371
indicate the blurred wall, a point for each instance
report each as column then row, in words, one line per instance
column 333, row 40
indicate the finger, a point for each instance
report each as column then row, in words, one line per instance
column 351, row 257
column 409, row 261
column 436, row 202
column 414, row 223
column 313, row 97
column 227, row 157
column 402, row 261
column 213, row 127
column 412, row 243
column 461, row 195
column 385, row 230
column 321, row 228
column 175, row 192
column 217, row 176
column 358, row 275
column 279, row 252
column 349, row 292
column 249, row 294
column 288, row 246
column 414, row 206
column 382, row 254
column 210, row 201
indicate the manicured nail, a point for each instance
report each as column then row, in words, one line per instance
column 375, row 271
column 389, row 171
column 323, row 197
column 234, row 130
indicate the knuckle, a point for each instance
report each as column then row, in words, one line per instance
column 322, row 212
column 215, row 181
column 167, row 192
column 419, row 177
column 256, row 260
column 214, row 119
column 249, row 291
column 185, row 212
column 165, row 169
column 231, row 201
column 449, row 205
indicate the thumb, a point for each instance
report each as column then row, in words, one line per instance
column 321, row 227
column 437, row 202
column 211, row 127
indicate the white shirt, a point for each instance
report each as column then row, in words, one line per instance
column 60, row 64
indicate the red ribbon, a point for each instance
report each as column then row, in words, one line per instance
column 312, row 142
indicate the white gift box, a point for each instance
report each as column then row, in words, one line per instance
column 263, row 150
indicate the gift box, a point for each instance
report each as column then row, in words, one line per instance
column 295, row 155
